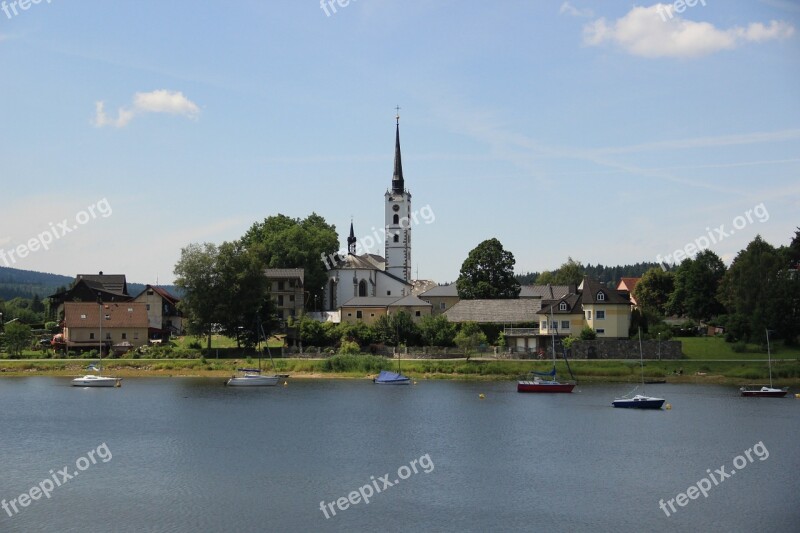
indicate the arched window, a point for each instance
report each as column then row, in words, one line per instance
column 396, row 237
column 362, row 288
column 601, row 297
column 562, row 306
column 332, row 296
column 396, row 219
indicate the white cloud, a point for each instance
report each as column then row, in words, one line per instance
column 657, row 31
column 573, row 11
column 159, row 101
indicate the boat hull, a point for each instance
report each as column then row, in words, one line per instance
column 764, row 393
column 393, row 382
column 650, row 403
column 253, row 381
column 96, row 381
column 544, row 387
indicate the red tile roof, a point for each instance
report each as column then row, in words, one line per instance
column 116, row 315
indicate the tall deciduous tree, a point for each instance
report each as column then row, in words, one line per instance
column 488, row 273
column 17, row 337
column 696, row 284
column 654, row 289
column 197, row 275
column 436, row 330
column 285, row 242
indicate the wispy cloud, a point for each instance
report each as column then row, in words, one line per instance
column 569, row 9
column 657, row 31
column 159, row 101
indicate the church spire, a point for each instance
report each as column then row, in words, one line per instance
column 351, row 240
column 398, row 186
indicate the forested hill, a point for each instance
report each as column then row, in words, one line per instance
column 604, row 274
column 15, row 283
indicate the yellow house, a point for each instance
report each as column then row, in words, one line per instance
column 606, row 311
column 441, row 298
column 412, row 305
column 87, row 325
column 365, row 309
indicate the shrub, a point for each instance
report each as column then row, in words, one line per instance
column 588, row 334
column 739, row 347
column 349, row 348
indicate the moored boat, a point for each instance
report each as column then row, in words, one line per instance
column 639, row 402
column 762, row 391
column 252, row 377
column 387, row 377
column 91, row 380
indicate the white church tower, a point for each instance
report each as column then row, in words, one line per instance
column 398, row 219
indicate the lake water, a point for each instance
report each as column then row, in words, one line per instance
column 189, row 455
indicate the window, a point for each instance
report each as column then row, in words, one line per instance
column 601, row 315
column 291, row 283
column 349, row 314
column 372, row 314
column 396, row 238
column 280, row 299
column 130, row 309
column 136, row 335
column 108, row 317
column 362, row 288
column 442, row 305
column 108, row 336
column 565, row 324
column 396, row 219
column 291, row 297
column 148, row 307
column 555, row 324
column 562, row 306
column 600, row 331
column 124, row 336
column 359, row 314
column 601, row 296
column 418, row 313
column 83, row 317
column 149, row 293
column 588, row 315
column 280, row 285
column 544, row 324
column 91, row 336
column 388, row 293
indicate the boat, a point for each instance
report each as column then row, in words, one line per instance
column 387, row 377
column 252, row 377
column 639, row 401
column 533, row 382
column 92, row 380
column 762, row 391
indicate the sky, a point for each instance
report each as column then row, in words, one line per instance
column 609, row 132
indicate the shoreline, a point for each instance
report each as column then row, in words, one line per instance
column 597, row 371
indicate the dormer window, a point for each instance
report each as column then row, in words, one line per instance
column 562, row 306
column 601, row 296
column 83, row 317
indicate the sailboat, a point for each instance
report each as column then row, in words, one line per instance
column 639, row 401
column 251, row 377
column 387, row 377
column 534, row 383
column 92, row 380
column 762, row 391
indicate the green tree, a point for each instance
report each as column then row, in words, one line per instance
column 17, row 337
column 469, row 337
column 588, row 334
column 285, row 242
column 654, row 289
column 488, row 273
column 436, row 330
column 569, row 273
column 760, row 292
column 696, row 284
column 197, row 276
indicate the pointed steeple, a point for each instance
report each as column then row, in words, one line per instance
column 351, row 240
column 398, row 186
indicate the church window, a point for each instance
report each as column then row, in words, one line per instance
column 418, row 313
column 388, row 293
column 396, row 219
column 359, row 315
column 362, row 288
column 396, row 237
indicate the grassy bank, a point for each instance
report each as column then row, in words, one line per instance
column 347, row 366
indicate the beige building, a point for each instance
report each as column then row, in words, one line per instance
column 441, row 298
column 286, row 287
column 366, row 309
column 118, row 324
column 163, row 316
column 606, row 311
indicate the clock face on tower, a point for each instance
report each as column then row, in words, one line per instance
column 395, row 207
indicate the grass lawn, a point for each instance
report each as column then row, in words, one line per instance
column 717, row 348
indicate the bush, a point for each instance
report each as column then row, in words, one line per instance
column 588, row 334
column 194, row 345
column 349, row 348
column 739, row 347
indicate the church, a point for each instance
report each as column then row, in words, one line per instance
column 368, row 285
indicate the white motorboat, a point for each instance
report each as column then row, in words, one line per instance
column 252, row 378
column 91, row 380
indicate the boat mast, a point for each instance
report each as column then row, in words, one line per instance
column 769, row 359
column 553, row 337
column 641, row 361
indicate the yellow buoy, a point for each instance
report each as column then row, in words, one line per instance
column 285, row 383
column 481, row 396
column 669, row 406
column 415, row 383
column 797, row 396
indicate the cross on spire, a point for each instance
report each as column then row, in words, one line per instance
column 397, row 114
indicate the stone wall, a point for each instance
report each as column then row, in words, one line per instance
column 624, row 349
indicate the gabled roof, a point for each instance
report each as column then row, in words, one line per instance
column 164, row 293
column 370, row 301
column 591, row 289
column 109, row 282
column 410, row 301
column 516, row 311
column 295, row 273
column 545, row 292
column 442, row 290
column 573, row 305
column 627, row 284
column 120, row 315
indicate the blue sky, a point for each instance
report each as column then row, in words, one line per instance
column 612, row 133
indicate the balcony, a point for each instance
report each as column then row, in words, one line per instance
column 521, row 332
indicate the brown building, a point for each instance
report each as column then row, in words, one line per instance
column 119, row 326
column 286, row 287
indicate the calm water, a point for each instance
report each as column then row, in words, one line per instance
column 191, row 455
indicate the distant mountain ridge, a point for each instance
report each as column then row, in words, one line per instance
column 16, row 283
